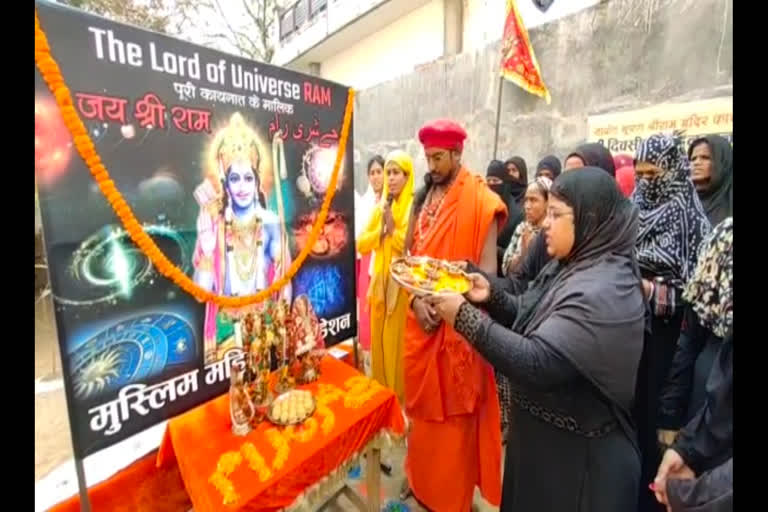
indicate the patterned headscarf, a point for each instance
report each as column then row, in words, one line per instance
column 672, row 220
column 710, row 290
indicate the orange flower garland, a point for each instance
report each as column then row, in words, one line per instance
column 51, row 73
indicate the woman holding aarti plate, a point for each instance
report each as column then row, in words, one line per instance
column 571, row 445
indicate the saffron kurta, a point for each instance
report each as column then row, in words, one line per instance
column 451, row 399
column 386, row 300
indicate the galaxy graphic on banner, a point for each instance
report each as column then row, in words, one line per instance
column 225, row 162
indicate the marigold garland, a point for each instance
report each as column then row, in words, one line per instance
column 51, row 73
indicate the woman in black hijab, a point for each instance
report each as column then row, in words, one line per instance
column 570, row 347
column 518, row 171
column 594, row 154
column 549, row 167
column 673, row 226
column 587, row 155
column 502, row 183
column 712, row 173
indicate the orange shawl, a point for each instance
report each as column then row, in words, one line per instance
column 444, row 375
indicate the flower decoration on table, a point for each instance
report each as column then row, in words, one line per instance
column 241, row 408
column 280, row 441
column 255, row 461
column 258, row 360
column 360, row 389
column 51, row 73
column 329, row 419
column 305, row 334
column 328, row 393
column 228, row 462
column 307, row 432
column 225, row 487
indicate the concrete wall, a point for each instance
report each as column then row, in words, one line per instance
column 617, row 55
column 393, row 51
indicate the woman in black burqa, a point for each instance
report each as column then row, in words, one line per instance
column 570, row 347
column 503, row 184
column 673, row 226
column 589, row 155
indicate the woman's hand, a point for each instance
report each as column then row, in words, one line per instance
column 388, row 221
column 480, row 292
column 647, row 288
column 447, row 306
column 672, row 466
column 525, row 239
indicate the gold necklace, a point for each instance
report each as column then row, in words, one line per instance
column 244, row 233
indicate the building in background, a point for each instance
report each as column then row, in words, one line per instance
column 363, row 43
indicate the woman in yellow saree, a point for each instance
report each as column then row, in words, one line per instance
column 388, row 303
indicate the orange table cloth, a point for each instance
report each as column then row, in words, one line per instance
column 197, row 438
column 141, row 487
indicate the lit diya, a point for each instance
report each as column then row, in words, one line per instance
column 428, row 276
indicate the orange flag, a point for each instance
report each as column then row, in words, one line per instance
column 518, row 62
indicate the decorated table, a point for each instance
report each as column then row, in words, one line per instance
column 274, row 468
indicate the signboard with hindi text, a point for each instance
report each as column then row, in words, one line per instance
column 622, row 132
column 225, row 163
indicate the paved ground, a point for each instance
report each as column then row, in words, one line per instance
column 53, row 446
column 52, row 441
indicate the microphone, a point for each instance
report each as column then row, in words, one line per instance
column 390, row 199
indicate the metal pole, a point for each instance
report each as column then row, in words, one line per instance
column 498, row 118
column 356, row 353
column 85, row 502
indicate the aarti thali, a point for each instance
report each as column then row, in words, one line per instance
column 423, row 275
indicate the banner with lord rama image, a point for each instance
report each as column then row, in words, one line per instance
column 225, row 162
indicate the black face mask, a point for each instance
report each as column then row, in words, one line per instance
column 500, row 189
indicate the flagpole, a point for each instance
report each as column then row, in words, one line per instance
column 498, row 118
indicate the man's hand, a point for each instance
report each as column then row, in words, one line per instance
column 447, row 306
column 672, row 466
column 426, row 315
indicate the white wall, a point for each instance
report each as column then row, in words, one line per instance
column 484, row 19
column 395, row 50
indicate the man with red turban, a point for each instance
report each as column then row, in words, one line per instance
column 454, row 443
